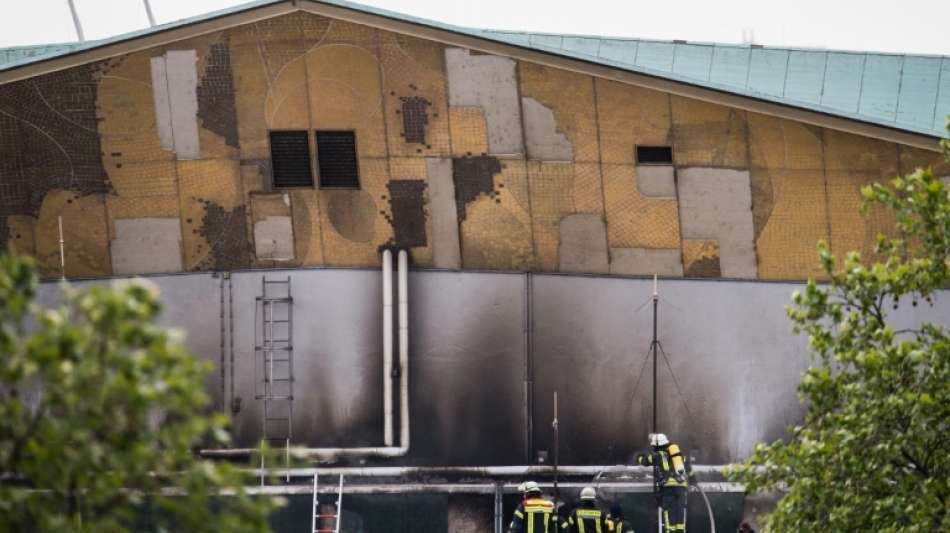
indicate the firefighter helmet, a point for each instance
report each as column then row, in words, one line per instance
column 588, row 493
column 658, row 439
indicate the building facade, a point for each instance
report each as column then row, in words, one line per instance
column 301, row 139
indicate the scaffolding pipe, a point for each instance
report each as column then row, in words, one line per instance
column 468, row 488
column 488, row 471
column 148, row 12
column 79, row 34
column 387, row 348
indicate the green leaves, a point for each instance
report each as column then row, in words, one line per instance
column 872, row 451
column 100, row 410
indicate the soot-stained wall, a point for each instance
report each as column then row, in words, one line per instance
column 181, row 131
column 729, row 345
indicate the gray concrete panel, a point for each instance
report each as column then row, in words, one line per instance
column 543, row 140
column 656, row 181
column 446, row 252
column 646, row 262
column 583, row 244
column 730, row 346
column 175, row 83
column 337, row 336
column 489, row 82
column 146, row 245
column 716, row 204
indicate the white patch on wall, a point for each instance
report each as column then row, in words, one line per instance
column 488, row 82
column 583, row 244
column 175, row 92
column 656, row 181
column 716, row 204
column 274, row 238
column 542, row 138
column 146, row 246
column 446, row 252
column 646, row 262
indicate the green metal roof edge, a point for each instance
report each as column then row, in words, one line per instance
column 523, row 40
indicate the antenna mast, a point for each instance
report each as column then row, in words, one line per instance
column 654, row 345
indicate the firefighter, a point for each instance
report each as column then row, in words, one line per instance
column 671, row 476
column 534, row 514
column 586, row 517
column 615, row 521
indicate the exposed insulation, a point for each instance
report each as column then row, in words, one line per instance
column 708, row 135
column 633, row 220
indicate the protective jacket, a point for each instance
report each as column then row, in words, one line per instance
column 669, row 467
column 671, row 475
column 534, row 515
column 586, row 518
column 619, row 526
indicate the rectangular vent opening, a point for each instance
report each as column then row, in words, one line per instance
column 654, row 155
column 290, row 159
column 336, row 156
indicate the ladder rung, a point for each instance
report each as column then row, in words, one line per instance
column 274, row 348
column 276, row 321
column 325, row 515
column 275, row 281
column 272, row 398
column 268, row 299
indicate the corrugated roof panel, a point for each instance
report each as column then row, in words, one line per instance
column 582, row 45
column 806, row 73
column 514, row 37
column 553, row 41
column 730, row 66
column 842, row 88
column 767, row 68
column 693, row 60
column 880, row 85
column 619, row 50
column 943, row 98
column 655, row 56
column 918, row 90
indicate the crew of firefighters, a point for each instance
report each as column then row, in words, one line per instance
column 537, row 514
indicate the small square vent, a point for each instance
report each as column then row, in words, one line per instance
column 654, row 155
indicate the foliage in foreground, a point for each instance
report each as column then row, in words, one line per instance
column 873, row 452
column 100, row 412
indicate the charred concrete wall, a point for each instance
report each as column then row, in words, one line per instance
column 727, row 381
column 540, row 163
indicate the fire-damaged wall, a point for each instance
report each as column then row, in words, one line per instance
column 469, row 160
column 727, row 373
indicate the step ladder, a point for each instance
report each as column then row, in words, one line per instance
column 318, row 522
column 274, row 363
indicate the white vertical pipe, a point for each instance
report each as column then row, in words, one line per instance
column 79, row 34
column 387, row 347
column 404, row 349
column 62, row 249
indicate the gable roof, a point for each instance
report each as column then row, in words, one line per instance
column 903, row 98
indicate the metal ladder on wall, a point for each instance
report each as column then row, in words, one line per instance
column 316, row 522
column 274, row 356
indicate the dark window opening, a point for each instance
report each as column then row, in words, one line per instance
column 654, row 155
column 336, row 157
column 290, row 159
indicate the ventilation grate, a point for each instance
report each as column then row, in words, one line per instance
column 336, row 155
column 290, row 158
